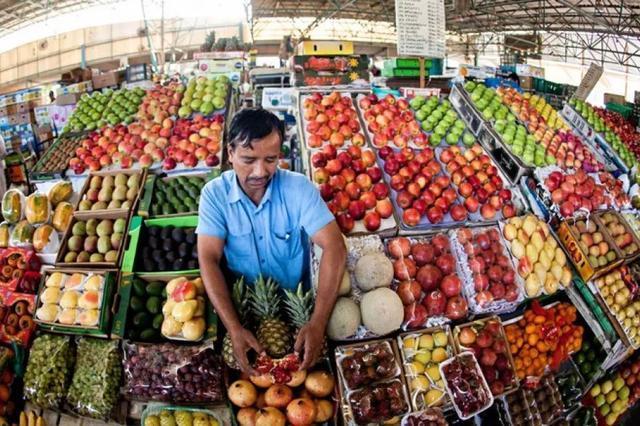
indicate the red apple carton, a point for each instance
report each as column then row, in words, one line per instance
column 481, row 186
column 350, row 182
column 330, row 118
column 490, row 281
column 486, row 339
column 427, row 280
column 466, row 385
column 389, row 121
column 363, row 364
column 16, row 317
column 421, row 190
column 422, row 351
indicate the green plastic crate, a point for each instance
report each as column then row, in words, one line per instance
column 623, row 110
column 403, row 72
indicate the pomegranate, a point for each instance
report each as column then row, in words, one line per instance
column 301, row 412
column 242, row 393
column 324, row 410
column 297, row 378
column 278, row 396
column 270, row 416
column 247, row 416
column 261, row 381
column 319, row 383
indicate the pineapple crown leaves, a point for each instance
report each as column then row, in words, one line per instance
column 240, row 299
column 299, row 305
column 264, row 299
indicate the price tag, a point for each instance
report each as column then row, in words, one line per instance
column 420, row 25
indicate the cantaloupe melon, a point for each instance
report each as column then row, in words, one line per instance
column 345, row 319
column 373, row 270
column 382, row 311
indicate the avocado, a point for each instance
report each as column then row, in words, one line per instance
column 157, row 255
column 148, row 265
column 181, row 194
column 190, row 236
column 148, row 334
column 155, row 288
column 183, row 209
column 154, row 230
column 167, row 245
column 136, row 304
column 178, row 235
column 170, row 256
column 194, row 252
column 154, row 304
column 192, row 264
column 153, row 242
column 165, row 233
column 161, row 265
column 184, row 249
column 179, row 265
column 139, row 288
column 157, row 321
column 141, row 320
column 160, row 197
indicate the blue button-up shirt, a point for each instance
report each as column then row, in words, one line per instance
column 267, row 239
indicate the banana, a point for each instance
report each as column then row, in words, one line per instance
column 23, row 419
column 40, row 421
column 31, row 419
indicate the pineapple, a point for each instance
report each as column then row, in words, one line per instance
column 273, row 333
column 299, row 306
column 240, row 301
column 183, row 418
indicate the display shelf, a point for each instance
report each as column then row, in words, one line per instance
column 510, row 164
column 465, row 108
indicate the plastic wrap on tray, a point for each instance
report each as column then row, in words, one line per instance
column 489, row 278
column 487, row 340
column 379, row 402
column 48, row 371
column 428, row 417
column 167, row 372
column 422, row 352
column 466, row 385
column 427, row 279
column 96, row 378
column 367, row 363
column 519, row 408
column 496, row 415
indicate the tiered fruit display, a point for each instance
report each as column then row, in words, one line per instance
column 331, row 119
column 57, row 157
column 488, row 103
column 486, row 339
column 184, row 310
column 168, row 249
column 591, row 240
column 181, row 418
column 177, row 195
column 441, row 121
column 423, row 191
column 478, row 182
column 611, row 397
column 622, row 236
column 616, row 290
column 567, row 150
column 204, row 95
column 541, row 261
column 95, row 240
column 351, row 184
column 111, row 192
column 160, row 103
column 102, row 148
column 427, row 279
column 589, row 358
column 490, row 279
column 466, row 385
column 197, row 141
column 422, row 353
column 390, row 121
column 533, row 349
column 304, row 400
column 97, row 110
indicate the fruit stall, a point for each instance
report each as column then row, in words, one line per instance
column 492, row 271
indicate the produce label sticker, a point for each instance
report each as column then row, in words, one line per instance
column 420, row 28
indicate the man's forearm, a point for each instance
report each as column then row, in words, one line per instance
column 219, row 295
column 332, row 265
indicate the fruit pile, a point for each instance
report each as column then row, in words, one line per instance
column 427, row 280
column 488, row 103
column 160, row 103
column 541, row 261
column 390, row 122
column 486, row 339
column 611, row 396
column 520, row 404
column 630, row 372
column 378, row 402
column 615, row 190
column 423, row 191
column 422, row 354
column 333, row 119
column 542, row 338
column 304, row 400
column 195, row 142
column 97, row 110
column 364, row 365
column 169, row 416
column 430, row 417
column 204, row 95
column 144, row 317
column 523, row 145
column 589, row 358
column 621, row 235
column 593, row 243
column 57, row 159
column 94, row 240
column 184, row 310
column 570, row 386
column 466, row 385
column 441, row 121
column 618, row 289
column 176, row 195
column 492, row 285
column 117, row 191
column 548, row 402
column 478, row 182
column 351, row 184
column 49, row 370
column 168, row 248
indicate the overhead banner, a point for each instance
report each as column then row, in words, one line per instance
column 420, row 27
column 588, row 82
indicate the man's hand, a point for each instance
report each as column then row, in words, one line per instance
column 309, row 343
column 243, row 341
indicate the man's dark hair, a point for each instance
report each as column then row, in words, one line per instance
column 253, row 123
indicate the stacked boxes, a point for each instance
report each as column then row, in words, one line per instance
column 324, row 63
column 404, row 67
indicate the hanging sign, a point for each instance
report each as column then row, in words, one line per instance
column 420, row 27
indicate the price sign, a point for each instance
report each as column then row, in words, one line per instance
column 420, row 27
column 588, row 82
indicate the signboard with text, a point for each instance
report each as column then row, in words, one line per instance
column 421, row 28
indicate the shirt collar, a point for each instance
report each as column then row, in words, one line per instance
column 236, row 193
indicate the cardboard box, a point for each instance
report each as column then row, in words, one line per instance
column 311, row 78
column 615, row 99
column 4, row 111
column 68, row 99
column 101, row 81
column 107, row 305
column 339, row 63
column 320, row 47
column 526, row 82
column 82, row 214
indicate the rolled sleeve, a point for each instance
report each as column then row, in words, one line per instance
column 315, row 214
column 211, row 218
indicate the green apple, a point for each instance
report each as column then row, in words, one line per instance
column 420, row 115
column 468, row 139
column 605, row 409
column 452, row 138
column 487, row 114
column 435, row 139
column 426, row 125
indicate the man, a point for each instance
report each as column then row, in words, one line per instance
column 259, row 216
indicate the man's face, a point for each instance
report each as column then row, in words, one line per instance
column 255, row 166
